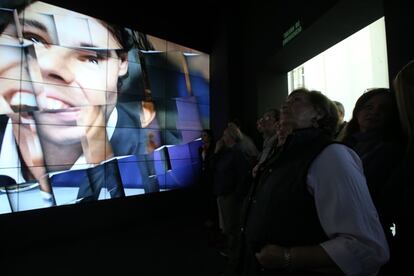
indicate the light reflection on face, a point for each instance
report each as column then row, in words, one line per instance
column 297, row 111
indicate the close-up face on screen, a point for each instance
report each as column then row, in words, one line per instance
column 90, row 110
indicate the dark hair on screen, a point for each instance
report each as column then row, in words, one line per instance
column 6, row 12
column 125, row 37
column 141, row 41
column 121, row 34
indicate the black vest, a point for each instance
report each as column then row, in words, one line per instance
column 280, row 210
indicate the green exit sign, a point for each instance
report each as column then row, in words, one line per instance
column 292, row 32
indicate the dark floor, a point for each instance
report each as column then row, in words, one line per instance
column 175, row 245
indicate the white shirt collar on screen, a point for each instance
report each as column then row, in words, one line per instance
column 9, row 157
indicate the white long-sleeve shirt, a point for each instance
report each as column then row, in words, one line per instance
column 357, row 241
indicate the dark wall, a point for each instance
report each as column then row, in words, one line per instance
column 272, row 87
column 323, row 25
column 258, row 62
column 399, row 25
column 219, row 83
column 261, row 27
column 340, row 21
column 179, row 21
column 80, row 220
column 154, row 234
column 335, row 24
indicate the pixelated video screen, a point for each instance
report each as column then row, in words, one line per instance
column 91, row 111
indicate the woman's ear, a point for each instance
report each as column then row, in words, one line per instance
column 314, row 122
column 319, row 114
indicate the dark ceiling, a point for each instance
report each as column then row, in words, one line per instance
column 195, row 24
column 185, row 22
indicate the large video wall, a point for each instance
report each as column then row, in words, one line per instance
column 92, row 111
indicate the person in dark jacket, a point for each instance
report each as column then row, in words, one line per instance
column 206, row 180
column 231, row 168
column 398, row 193
column 374, row 133
column 310, row 212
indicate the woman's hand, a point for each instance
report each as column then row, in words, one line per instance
column 271, row 256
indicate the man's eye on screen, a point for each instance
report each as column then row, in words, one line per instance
column 90, row 59
column 36, row 39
